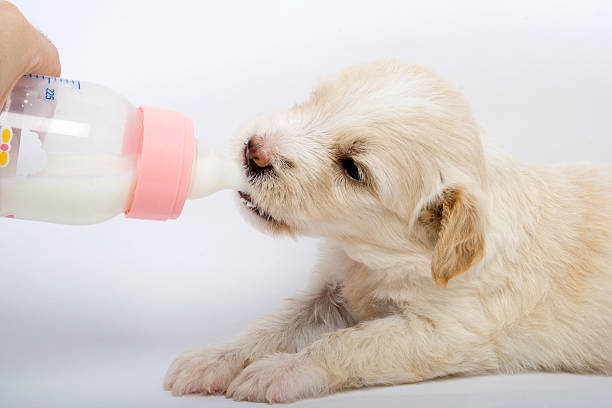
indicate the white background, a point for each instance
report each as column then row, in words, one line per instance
column 91, row 316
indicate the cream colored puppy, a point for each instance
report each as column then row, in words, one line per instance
column 443, row 255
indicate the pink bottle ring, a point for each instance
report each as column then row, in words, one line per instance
column 167, row 151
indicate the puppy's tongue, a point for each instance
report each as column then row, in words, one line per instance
column 213, row 172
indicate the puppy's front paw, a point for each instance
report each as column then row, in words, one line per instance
column 279, row 377
column 206, row 371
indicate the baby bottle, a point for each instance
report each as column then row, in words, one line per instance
column 73, row 152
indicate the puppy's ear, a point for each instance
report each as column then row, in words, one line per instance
column 455, row 223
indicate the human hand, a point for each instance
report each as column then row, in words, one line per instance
column 23, row 50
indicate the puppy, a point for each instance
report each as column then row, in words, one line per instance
column 442, row 255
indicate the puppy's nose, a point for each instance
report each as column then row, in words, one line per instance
column 255, row 154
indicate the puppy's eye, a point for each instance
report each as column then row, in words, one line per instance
column 351, row 169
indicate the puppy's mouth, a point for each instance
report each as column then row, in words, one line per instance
column 247, row 201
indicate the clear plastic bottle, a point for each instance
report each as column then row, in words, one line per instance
column 77, row 153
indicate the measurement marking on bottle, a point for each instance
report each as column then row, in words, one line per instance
column 70, row 82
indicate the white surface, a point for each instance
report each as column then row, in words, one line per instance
column 92, row 316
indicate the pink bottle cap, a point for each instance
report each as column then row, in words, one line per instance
column 167, row 151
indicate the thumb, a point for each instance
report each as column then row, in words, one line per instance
column 46, row 60
column 23, row 50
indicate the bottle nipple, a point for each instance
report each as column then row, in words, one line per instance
column 213, row 172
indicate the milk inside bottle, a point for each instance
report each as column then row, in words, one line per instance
column 77, row 153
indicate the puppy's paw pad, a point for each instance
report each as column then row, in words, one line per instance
column 279, row 378
column 204, row 371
